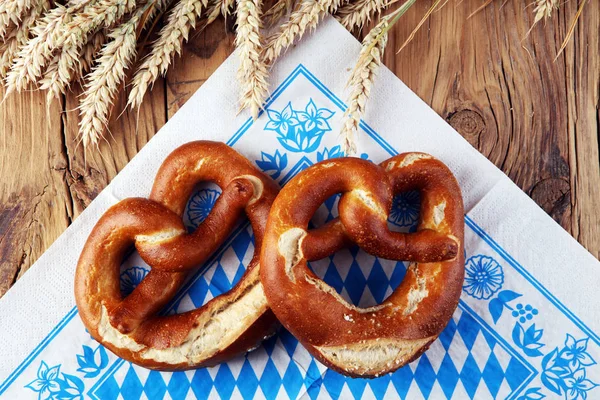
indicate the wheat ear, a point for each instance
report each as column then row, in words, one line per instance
column 19, row 36
column 218, row 7
column 356, row 14
column 11, row 12
column 252, row 73
column 543, row 9
column 177, row 28
column 103, row 82
column 363, row 74
column 89, row 52
column 32, row 57
column 305, row 16
column 99, row 14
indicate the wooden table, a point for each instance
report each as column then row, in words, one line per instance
column 536, row 119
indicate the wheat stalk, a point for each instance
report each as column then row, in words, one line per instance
column 99, row 14
column 363, row 74
column 252, row 73
column 107, row 76
column 357, row 14
column 305, row 16
column 11, row 12
column 181, row 19
column 32, row 57
column 19, row 36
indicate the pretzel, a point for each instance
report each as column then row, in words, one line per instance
column 366, row 342
column 229, row 324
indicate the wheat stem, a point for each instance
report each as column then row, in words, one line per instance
column 363, row 74
column 179, row 22
column 252, row 73
column 420, row 24
column 305, row 16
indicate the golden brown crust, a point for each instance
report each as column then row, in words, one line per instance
column 129, row 326
column 351, row 340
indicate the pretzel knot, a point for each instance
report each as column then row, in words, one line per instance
column 229, row 324
column 370, row 341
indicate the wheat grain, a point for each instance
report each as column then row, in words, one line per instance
column 107, row 76
column 98, row 14
column 32, row 57
column 218, row 7
column 19, row 36
column 361, row 81
column 543, row 9
column 11, row 12
column 179, row 22
column 356, row 14
column 252, row 73
column 305, row 16
column 90, row 50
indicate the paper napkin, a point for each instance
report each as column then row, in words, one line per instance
column 527, row 326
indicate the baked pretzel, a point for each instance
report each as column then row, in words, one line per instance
column 366, row 342
column 229, row 324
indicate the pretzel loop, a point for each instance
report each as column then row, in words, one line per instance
column 231, row 323
column 366, row 341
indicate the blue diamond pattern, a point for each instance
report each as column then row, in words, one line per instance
column 448, row 376
column 380, row 385
column 132, row 387
column 470, row 375
column 293, row 382
column 155, row 386
column 247, row 381
column 402, row 380
column 334, row 383
column 355, row 283
column 469, row 329
column 109, row 389
column 179, row 386
column 202, row 383
column 270, row 381
column 224, row 382
column 491, row 374
column 378, row 282
column 425, row 376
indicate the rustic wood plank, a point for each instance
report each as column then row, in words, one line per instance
column 201, row 56
column 536, row 119
column 497, row 87
column 34, row 204
column 129, row 132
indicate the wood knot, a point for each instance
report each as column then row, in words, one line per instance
column 553, row 195
column 470, row 124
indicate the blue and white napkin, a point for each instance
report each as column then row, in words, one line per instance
column 527, row 326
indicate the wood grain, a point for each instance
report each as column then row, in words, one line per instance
column 535, row 118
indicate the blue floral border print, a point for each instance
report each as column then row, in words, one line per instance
column 540, row 365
